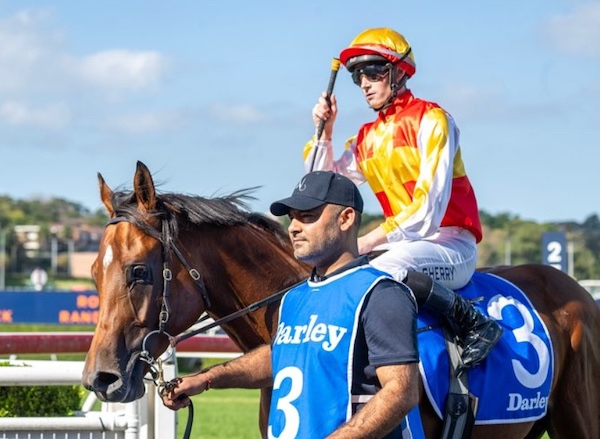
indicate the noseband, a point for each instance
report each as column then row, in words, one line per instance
column 156, row 369
column 168, row 247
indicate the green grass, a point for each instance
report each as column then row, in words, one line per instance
column 58, row 282
column 223, row 414
column 69, row 283
column 27, row 327
column 226, row 414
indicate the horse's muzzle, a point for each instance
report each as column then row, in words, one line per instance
column 112, row 385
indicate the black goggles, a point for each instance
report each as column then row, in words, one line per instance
column 373, row 72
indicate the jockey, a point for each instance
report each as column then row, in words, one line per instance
column 411, row 158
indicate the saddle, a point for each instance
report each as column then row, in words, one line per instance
column 511, row 385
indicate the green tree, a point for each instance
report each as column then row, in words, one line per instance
column 506, row 236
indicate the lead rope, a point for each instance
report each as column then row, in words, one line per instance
column 165, row 314
column 155, row 366
column 156, row 369
column 163, row 387
column 190, row 420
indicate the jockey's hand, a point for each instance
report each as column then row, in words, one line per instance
column 368, row 242
column 324, row 111
column 176, row 394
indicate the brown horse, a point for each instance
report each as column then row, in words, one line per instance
column 166, row 258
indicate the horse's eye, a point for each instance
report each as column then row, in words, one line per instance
column 139, row 274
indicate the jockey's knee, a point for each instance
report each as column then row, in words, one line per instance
column 420, row 284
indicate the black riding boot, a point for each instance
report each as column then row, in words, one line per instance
column 477, row 333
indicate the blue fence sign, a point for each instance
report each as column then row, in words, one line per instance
column 57, row 308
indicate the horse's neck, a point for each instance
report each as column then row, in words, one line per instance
column 243, row 267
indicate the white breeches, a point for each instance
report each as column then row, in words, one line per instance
column 449, row 257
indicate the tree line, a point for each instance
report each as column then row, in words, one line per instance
column 507, row 237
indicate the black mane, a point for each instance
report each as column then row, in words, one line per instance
column 181, row 211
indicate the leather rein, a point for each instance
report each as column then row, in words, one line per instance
column 156, row 369
column 168, row 247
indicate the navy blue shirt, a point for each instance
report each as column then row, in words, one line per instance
column 387, row 332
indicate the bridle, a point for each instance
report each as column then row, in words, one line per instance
column 156, row 369
column 168, row 246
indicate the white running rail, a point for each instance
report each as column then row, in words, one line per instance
column 145, row 418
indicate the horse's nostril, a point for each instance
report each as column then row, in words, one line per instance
column 103, row 380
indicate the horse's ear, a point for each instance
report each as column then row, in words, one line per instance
column 143, row 186
column 106, row 196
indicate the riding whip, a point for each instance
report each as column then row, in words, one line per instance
column 335, row 66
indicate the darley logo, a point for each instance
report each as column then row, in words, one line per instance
column 328, row 335
column 518, row 402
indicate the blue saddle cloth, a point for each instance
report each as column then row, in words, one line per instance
column 513, row 383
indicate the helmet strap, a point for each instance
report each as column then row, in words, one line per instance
column 395, row 86
column 398, row 85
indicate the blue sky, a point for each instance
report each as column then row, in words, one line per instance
column 216, row 96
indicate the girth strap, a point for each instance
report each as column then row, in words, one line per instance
column 461, row 405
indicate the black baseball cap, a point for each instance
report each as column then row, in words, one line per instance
column 318, row 188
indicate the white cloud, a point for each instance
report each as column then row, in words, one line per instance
column 54, row 116
column 28, row 50
column 37, row 68
column 34, row 59
column 576, row 33
column 123, row 69
column 237, row 114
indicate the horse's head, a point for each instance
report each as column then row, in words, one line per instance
column 166, row 258
column 133, row 276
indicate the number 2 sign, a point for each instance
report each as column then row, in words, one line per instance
column 554, row 250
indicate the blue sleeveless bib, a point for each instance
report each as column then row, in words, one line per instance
column 312, row 354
